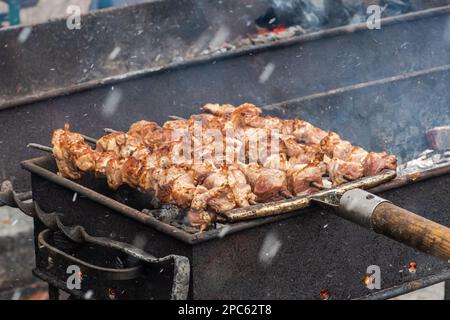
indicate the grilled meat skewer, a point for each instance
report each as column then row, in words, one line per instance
column 148, row 157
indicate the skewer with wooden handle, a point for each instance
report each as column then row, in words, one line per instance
column 385, row 218
column 363, row 208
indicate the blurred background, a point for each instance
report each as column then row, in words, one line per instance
column 14, row 12
column 36, row 11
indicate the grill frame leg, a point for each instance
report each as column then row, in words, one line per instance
column 447, row 290
column 53, row 292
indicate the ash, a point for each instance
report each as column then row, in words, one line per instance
column 252, row 40
column 287, row 19
column 172, row 215
column 427, row 160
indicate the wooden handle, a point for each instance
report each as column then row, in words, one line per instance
column 412, row 230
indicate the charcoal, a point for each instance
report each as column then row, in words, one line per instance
column 166, row 213
column 185, row 227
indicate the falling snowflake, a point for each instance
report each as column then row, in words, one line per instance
column 88, row 295
column 113, row 55
column 224, row 231
column 269, row 249
column 267, row 72
column 112, row 102
column 24, row 34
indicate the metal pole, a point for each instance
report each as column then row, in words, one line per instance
column 53, row 292
column 447, row 290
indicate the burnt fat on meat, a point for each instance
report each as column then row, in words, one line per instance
column 193, row 170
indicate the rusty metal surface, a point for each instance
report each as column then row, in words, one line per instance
column 71, row 67
column 55, row 60
column 96, row 190
column 105, row 273
column 41, row 168
column 135, row 258
column 318, row 250
column 409, row 286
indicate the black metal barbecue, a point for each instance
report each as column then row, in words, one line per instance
column 125, row 252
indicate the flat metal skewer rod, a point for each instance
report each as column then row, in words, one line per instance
column 176, row 118
column 40, row 147
column 318, row 186
column 50, row 149
column 89, row 139
column 109, row 130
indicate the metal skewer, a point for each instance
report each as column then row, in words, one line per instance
column 50, row 149
column 40, row 147
column 89, row 139
column 318, row 186
column 109, row 130
column 176, row 118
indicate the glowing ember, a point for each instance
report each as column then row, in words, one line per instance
column 264, row 31
column 41, row 295
column 412, row 267
column 324, row 294
column 111, row 293
column 279, row 29
column 368, row 280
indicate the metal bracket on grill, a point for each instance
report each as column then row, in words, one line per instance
column 13, row 199
column 180, row 286
column 48, row 219
column 106, row 273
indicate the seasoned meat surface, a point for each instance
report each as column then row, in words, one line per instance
column 231, row 157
